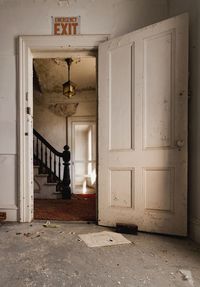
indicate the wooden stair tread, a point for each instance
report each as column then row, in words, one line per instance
column 41, row 175
column 51, row 183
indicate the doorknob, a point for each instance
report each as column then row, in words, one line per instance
column 180, row 144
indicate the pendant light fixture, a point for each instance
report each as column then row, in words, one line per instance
column 69, row 88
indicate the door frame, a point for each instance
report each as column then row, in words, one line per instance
column 71, row 141
column 39, row 47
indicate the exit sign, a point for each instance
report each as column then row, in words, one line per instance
column 66, row 25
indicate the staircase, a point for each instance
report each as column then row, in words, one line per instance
column 49, row 164
column 43, row 189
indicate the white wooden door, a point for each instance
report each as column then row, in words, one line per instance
column 143, row 128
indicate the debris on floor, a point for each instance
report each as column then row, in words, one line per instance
column 104, row 238
column 187, row 276
column 49, row 225
column 127, row 228
column 28, row 234
column 57, row 258
column 35, row 235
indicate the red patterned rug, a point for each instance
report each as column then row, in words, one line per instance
column 76, row 209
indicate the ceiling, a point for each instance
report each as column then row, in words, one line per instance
column 50, row 74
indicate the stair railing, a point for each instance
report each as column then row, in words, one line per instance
column 52, row 162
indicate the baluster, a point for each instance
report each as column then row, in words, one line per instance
column 41, row 150
column 54, row 169
column 37, row 149
column 50, row 159
column 46, row 156
column 59, row 170
column 33, row 146
column 33, row 149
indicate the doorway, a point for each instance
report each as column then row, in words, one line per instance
column 142, row 128
column 59, row 121
column 82, row 136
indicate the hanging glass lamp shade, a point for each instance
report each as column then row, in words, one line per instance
column 69, row 88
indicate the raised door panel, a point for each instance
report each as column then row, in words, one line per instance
column 159, row 90
column 120, row 97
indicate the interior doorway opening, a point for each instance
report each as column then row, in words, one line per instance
column 59, row 121
column 82, row 137
column 149, row 154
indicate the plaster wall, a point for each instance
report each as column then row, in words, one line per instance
column 33, row 17
column 53, row 127
column 50, row 126
column 193, row 8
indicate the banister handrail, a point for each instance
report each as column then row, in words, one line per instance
column 48, row 162
column 60, row 154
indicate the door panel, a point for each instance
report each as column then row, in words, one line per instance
column 159, row 92
column 143, row 128
column 120, row 180
column 159, row 189
column 120, row 64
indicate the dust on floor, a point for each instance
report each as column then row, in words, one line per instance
column 32, row 255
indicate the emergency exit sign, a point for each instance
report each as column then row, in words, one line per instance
column 66, row 25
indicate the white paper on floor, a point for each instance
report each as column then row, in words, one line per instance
column 104, row 238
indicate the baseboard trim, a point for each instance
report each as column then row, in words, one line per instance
column 9, row 207
column 195, row 230
column 11, row 212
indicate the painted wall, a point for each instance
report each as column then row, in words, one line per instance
column 50, row 126
column 193, row 8
column 33, row 17
column 53, row 127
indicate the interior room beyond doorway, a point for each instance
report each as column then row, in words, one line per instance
column 59, row 121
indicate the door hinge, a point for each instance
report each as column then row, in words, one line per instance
column 27, row 96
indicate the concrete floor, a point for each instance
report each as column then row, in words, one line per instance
column 32, row 255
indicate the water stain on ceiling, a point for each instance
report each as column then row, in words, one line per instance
column 51, row 74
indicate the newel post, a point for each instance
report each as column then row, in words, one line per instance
column 66, row 175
